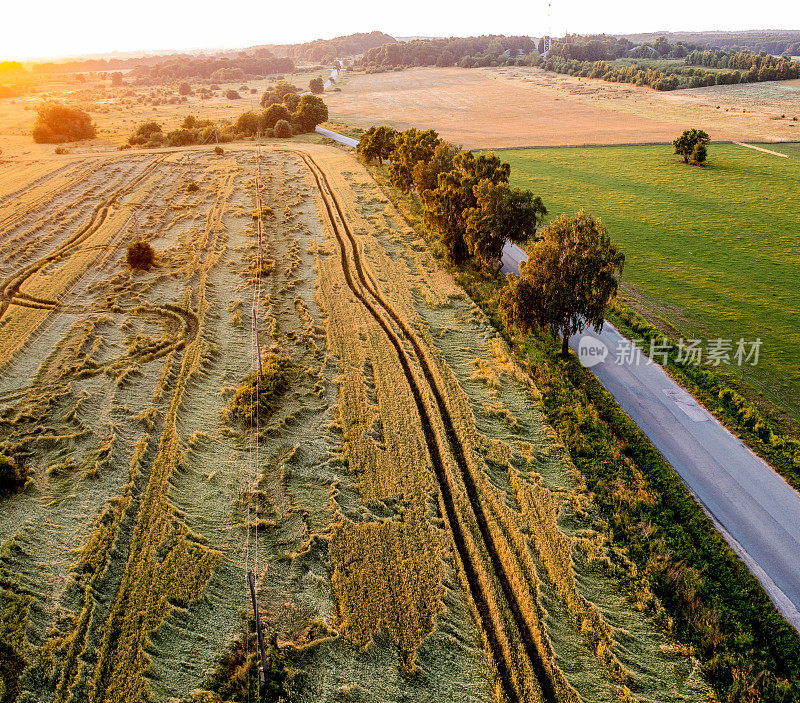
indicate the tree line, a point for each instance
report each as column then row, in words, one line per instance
column 487, row 50
column 338, row 47
column 241, row 67
column 573, row 268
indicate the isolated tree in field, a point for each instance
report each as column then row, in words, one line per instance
column 501, row 213
column 310, row 112
column 283, row 129
column 291, row 100
column 140, row 255
column 58, row 123
column 316, row 85
column 685, row 144
column 447, row 205
column 232, row 95
column 570, row 277
column 377, row 143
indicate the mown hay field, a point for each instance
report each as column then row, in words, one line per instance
column 713, row 250
column 507, row 107
column 416, row 530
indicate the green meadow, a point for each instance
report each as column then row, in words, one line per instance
column 713, row 251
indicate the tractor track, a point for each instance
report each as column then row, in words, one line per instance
column 11, row 286
column 480, row 599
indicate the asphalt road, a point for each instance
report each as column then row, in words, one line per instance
column 753, row 507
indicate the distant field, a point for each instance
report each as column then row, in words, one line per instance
column 714, row 251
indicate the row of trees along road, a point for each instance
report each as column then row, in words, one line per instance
column 573, row 268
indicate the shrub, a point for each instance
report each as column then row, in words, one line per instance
column 316, row 85
column 192, row 187
column 189, row 122
column 147, row 132
column 184, row 89
column 232, row 95
column 283, row 129
column 12, row 475
column 61, row 150
column 219, row 151
column 181, row 137
column 256, row 397
column 58, row 123
column 699, row 154
column 140, row 255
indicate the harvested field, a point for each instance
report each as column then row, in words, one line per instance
column 416, row 530
column 512, row 107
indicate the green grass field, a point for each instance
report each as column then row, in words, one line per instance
column 713, row 251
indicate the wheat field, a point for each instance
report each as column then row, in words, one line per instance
column 415, row 528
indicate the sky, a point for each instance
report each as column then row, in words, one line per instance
column 52, row 28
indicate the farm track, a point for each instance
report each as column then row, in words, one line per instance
column 10, row 288
column 495, row 637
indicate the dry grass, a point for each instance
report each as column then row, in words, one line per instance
column 507, row 107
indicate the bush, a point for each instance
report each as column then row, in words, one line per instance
column 192, row 187
column 219, row 151
column 283, row 129
column 181, row 137
column 12, row 475
column 316, row 85
column 61, row 150
column 184, row 89
column 699, row 154
column 57, row 123
column 247, row 123
column 255, row 398
column 232, row 95
column 140, row 255
column 147, row 132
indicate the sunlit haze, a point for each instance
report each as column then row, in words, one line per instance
column 51, row 29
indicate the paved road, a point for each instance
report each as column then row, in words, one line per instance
column 349, row 141
column 754, row 508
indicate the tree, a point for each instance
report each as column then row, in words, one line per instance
column 425, row 175
column 283, row 129
column 184, row 88
column 291, row 100
column 685, row 144
column 274, row 113
column 247, row 123
column 116, row 79
column 57, row 123
column 377, row 143
column 411, row 147
column 316, row 85
column 572, row 274
column 311, row 110
column 232, row 95
column 447, row 205
column 277, row 93
column 501, row 214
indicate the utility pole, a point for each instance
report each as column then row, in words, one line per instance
column 258, row 346
column 259, row 632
